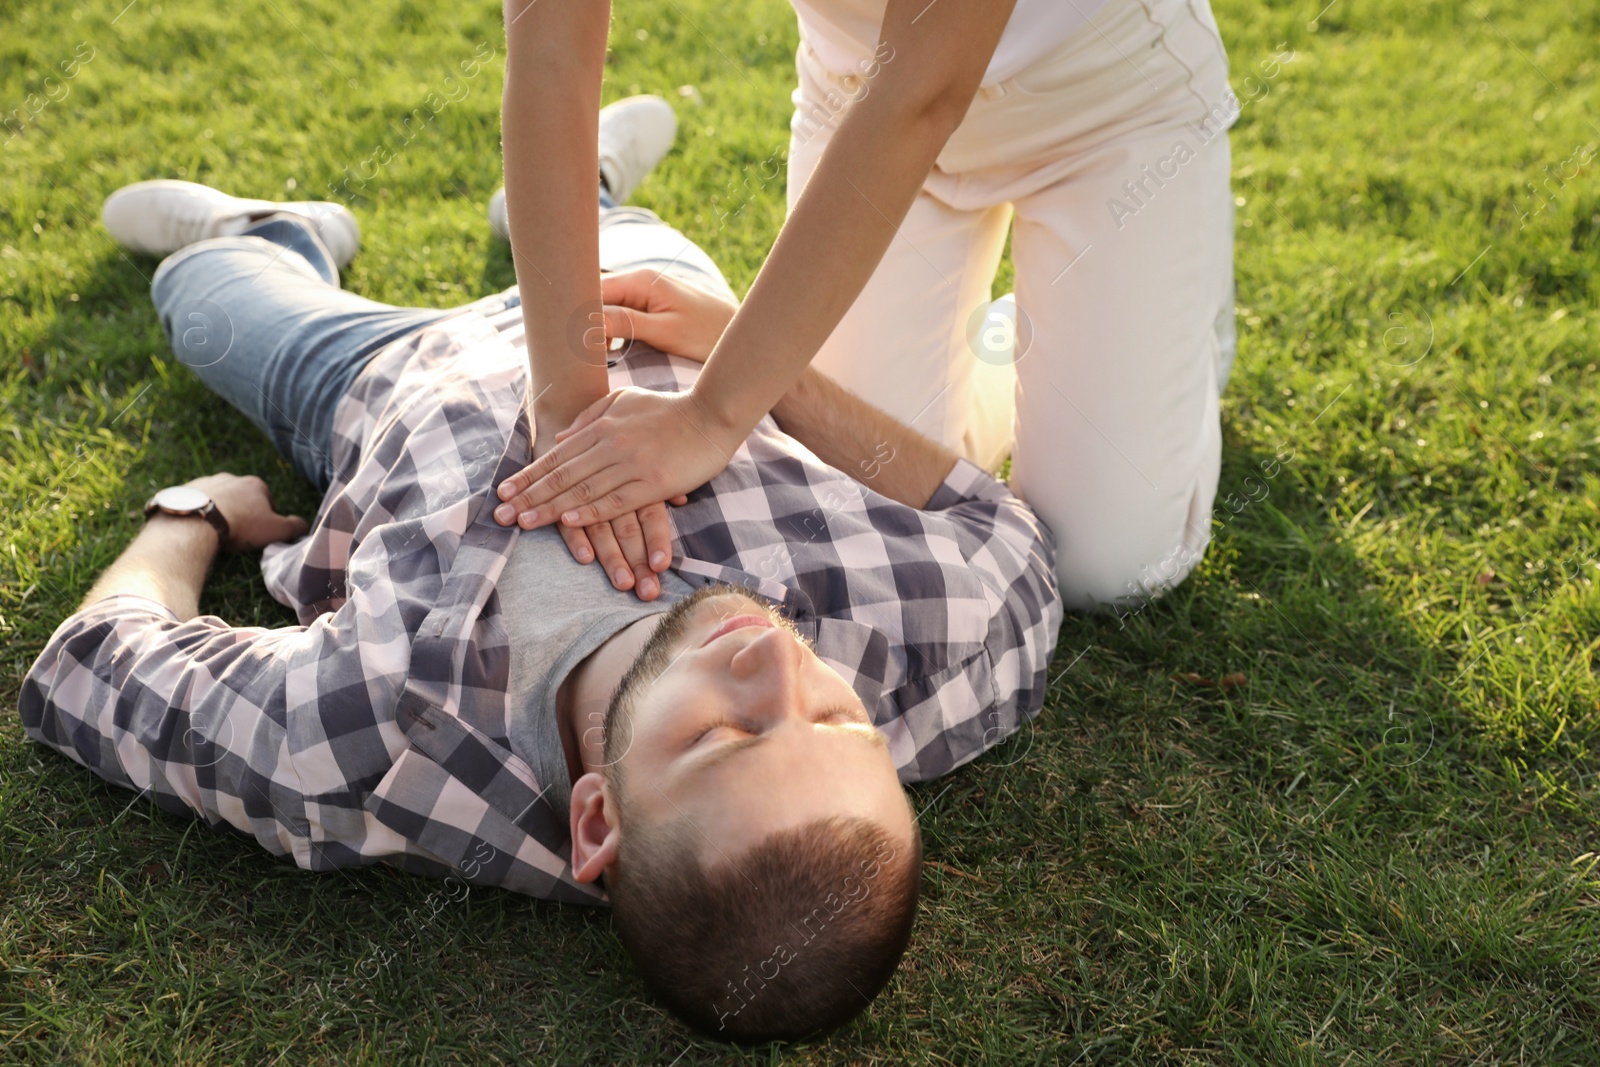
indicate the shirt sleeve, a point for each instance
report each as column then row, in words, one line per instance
column 1013, row 554
column 199, row 716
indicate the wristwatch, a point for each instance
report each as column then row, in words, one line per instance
column 187, row 500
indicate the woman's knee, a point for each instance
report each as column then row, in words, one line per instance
column 1116, row 576
column 1127, row 548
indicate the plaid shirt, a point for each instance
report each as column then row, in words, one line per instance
column 378, row 729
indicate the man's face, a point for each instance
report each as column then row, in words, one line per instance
column 729, row 720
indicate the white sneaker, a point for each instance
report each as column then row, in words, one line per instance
column 497, row 215
column 159, row 217
column 635, row 134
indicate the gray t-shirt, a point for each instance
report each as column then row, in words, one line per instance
column 556, row 612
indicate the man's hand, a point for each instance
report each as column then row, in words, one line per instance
column 632, row 550
column 663, row 312
column 630, row 449
column 253, row 520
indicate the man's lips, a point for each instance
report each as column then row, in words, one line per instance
column 738, row 622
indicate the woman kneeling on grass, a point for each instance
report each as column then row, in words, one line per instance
column 919, row 130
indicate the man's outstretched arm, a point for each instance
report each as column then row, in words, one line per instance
column 851, row 435
column 151, row 695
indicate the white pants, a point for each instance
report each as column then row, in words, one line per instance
column 1112, row 154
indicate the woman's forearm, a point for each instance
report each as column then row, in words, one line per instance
column 555, row 56
column 853, row 204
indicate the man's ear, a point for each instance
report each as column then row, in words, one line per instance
column 596, row 834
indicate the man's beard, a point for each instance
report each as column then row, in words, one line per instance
column 655, row 657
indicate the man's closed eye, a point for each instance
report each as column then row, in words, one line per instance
column 837, row 714
column 731, row 724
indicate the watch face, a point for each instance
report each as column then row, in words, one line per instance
column 181, row 498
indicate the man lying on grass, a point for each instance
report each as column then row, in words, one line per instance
column 847, row 607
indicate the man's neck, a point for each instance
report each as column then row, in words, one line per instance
column 584, row 695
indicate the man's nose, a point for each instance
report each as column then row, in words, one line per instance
column 768, row 669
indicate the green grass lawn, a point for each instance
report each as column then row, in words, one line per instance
column 1380, row 849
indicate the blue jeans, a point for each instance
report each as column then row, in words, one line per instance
column 261, row 319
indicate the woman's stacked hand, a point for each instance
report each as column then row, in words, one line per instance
column 607, row 477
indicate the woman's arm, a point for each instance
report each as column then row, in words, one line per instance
column 844, row 431
column 643, row 448
column 854, row 203
column 555, row 57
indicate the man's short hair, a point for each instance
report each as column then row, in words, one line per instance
column 790, row 940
